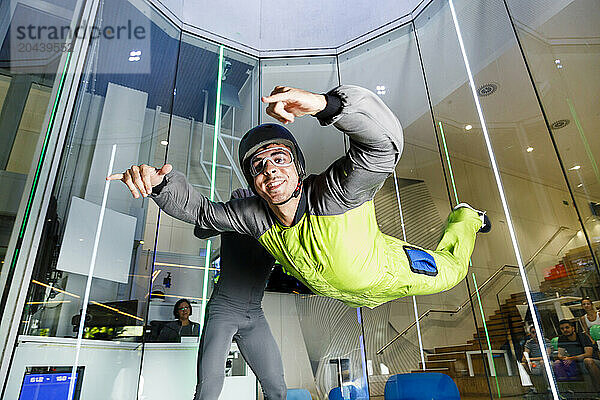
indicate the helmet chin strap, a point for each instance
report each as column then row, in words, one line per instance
column 296, row 193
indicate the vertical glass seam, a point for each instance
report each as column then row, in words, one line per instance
column 487, row 335
column 90, row 277
column 414, row 29
column 213, row 172
column 448, row 161
column 414, row 300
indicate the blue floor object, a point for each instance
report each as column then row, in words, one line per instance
column 347, row 392
column 421, row 386
column 298, row 394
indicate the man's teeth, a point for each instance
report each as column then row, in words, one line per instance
column 274, row 184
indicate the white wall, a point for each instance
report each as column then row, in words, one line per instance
column 275, row 25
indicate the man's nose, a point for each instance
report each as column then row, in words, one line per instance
column 270, row 168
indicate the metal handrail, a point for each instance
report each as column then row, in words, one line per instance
column 467, row 301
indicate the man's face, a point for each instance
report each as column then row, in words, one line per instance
column 566, row 329
column 532, row 332
column 275, row 183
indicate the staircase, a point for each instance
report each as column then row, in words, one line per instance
column 452, row 360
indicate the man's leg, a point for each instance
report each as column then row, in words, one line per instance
column 593, row 367
column 431, row 272
column 259, row 349
column 215, row 342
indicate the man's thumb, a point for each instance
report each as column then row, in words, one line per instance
column 165, row 169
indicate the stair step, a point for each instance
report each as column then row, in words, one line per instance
column 495, row 324
column 438, row 364
column 497, row 331
column 454, row 348
column 500, row 317
column 456, row 355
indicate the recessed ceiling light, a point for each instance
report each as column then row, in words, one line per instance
column 529, row 149
column 380, row 89
column 468, row 127
column 580, row 185
column 575, row 167
column 164, row 142
column 557, row 61
column 559, row 66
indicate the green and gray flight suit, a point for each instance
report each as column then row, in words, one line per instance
column 334, row 245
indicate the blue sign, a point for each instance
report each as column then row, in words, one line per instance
column 51, row 386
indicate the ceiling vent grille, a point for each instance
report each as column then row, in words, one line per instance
column 487, row 89
column 561, row 123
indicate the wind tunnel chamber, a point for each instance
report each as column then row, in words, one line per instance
column 498, row 104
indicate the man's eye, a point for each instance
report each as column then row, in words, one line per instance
column 279, row 159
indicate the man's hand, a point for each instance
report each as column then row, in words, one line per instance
column 142, row 178
column 286, row 103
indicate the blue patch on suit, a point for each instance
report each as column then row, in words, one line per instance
column 421, row 262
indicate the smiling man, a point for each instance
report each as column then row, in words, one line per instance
column 322, row 228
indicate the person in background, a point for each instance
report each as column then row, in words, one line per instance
column 577, row 348
column 591, row 316
column 182, row 326
column 532, row 355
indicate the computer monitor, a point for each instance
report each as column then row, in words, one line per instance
column 50, row 383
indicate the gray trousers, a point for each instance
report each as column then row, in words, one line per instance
column 256, row 343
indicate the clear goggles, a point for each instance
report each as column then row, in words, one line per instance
column 279, row 157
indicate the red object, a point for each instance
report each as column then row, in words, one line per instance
column 558, row 271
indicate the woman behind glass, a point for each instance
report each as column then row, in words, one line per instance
column 174, row 330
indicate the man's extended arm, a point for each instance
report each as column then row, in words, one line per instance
column 376, row 138
column 376, row 143
column 179, row 199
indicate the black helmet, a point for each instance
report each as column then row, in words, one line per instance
column 263, row 135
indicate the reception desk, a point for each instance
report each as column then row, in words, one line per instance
column 112, row 368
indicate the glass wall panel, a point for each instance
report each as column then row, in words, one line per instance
column 88, row 298
column 28, row 75
column 483, row 94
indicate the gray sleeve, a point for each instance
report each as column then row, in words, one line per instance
column 179, row 199
column 376, row 143
column 236, row 194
